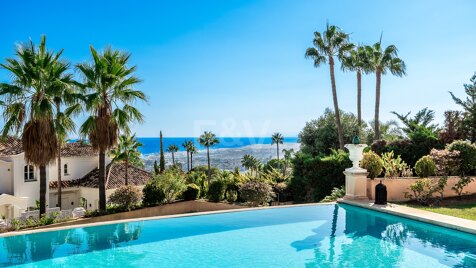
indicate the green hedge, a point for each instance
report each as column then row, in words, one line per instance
column 314, row 177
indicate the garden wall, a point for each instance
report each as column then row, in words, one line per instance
column 396, row 188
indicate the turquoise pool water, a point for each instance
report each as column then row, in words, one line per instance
column 306, row 236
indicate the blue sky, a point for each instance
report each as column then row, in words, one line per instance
column 237, row 67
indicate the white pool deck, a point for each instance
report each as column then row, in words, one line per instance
column 451, row 222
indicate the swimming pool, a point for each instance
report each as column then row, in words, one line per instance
column 301, row 236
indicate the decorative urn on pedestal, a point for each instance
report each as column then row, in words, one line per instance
column 355, row 176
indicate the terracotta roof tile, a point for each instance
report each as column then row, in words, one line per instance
column 115, row 177
column 80, row 149
column 10, row 146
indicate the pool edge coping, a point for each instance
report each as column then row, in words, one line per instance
column 93, row 224
column 442, row 220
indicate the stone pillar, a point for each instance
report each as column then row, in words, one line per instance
column 355, row 177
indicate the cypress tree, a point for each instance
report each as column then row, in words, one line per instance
column 162, row 159
column 156, row 168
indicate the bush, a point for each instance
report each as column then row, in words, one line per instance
column 172, row 184
column 462, row 182
column 335, row 194
column 393, row 166
column 198, row 178
column 231, row 196
column 425, row 167
column 126, row 197
column 467, row 156
column 314, row 177
column 256, row 193
column 423, row 191
column 446, row 162
column 192, row 192
column 372, row 163
column 216, row 191
column 153, row 194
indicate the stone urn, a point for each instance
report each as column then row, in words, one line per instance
column 356, row 154
column 355, row 176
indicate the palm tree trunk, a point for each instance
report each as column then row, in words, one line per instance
column 59, row 178
column 102, row 181
column 377, row 104
column 173, row 159
column 188, row 163
column 126, row 181
column 208, row 158
column 359, row 99
column 336, row 104
column 191, row 161
column 42, row 189
column 277, row 150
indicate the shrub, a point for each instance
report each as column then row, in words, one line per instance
column 425, row 167
column 314, row 177
column 393, row 166
column 467, row 156
column 446, row 162
column 192, row 192
column 216, row 191
column 199, row 178
column 462, row 182
column 335, row 194
column 423, row 191
column 231, row 196
column 372, row 163
column 126, row 197
column 256, row 193
column 153, row 194
column 172, row 184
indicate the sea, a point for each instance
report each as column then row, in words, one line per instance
column 225, row 155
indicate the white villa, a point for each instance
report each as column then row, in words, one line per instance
column 19, row 184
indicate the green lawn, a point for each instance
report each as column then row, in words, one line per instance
column 465, row 211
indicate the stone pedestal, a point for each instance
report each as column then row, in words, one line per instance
column 356, row 184
column 356, row 177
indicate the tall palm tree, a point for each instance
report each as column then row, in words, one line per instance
column 277, row 139
column 288, row 154
column 333, row 42
column 173, row 149
column 108, row 83
column 192, row 150
column 357, row 61
column 38, row 76
column 208, row 139
column 127, row 151
column 380, row 62
column 186, row 145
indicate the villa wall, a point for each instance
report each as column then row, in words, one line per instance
column 6, row 182
column 22, row 188
column 396, row 188
column 77, row 167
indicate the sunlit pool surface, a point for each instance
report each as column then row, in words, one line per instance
column 306, row 236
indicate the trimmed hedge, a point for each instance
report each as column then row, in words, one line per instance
column 314, row 177
column 216, row 191
column 192, row 192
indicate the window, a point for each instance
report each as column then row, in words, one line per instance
column 65, row 168
column 29, row 173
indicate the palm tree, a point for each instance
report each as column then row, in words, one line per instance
column 382, row 61
column 127, row 151
column 186, row 145
column 172, row 149
column 38, row 76
column 277, row 139
column 333, row 42
column 250, row 163
column 357, row 61
column 208, row 140
column 192, row 150
column 288, row 154
column 109, row 94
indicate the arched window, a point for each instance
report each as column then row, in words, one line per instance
column 29, row 173
column 65, row 168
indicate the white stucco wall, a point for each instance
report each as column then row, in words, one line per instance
column 22, row 188
column 6, row 177
column 77, row 167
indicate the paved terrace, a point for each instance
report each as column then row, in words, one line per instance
column 451, row 222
